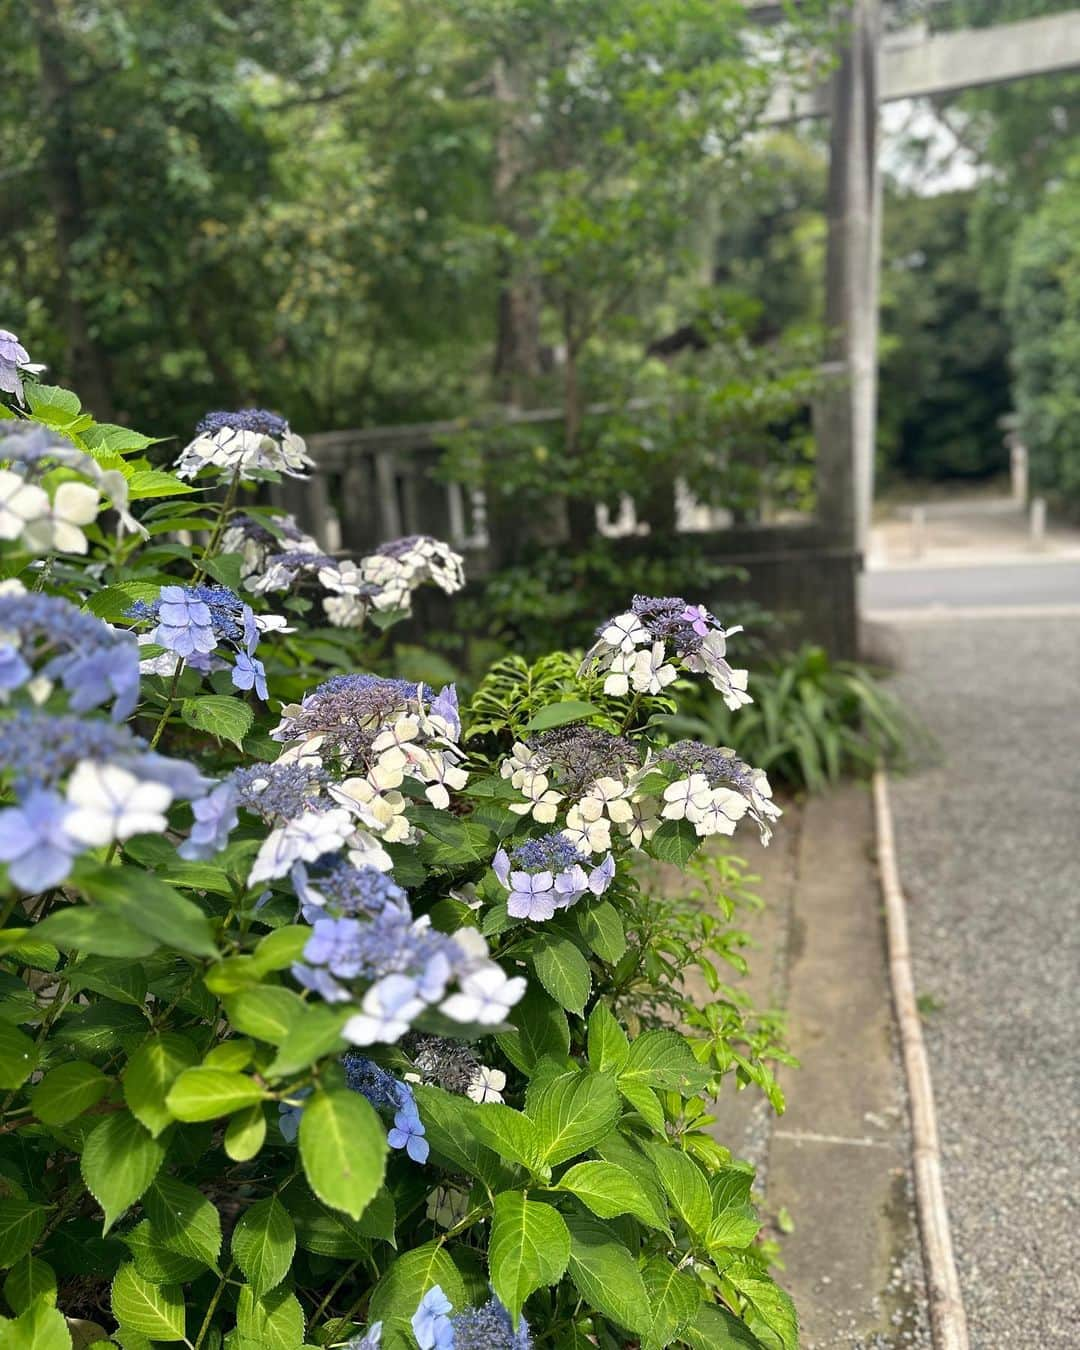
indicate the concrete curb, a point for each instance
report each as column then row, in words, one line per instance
column 947, row 1319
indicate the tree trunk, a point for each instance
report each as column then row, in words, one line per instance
column 580, row 513
column 87, row 364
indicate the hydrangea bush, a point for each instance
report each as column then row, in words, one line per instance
column 332, row 1013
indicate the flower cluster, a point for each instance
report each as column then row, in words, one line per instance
column 453, row 1066
column 277, row 554
column 380, row 732
column 95, row 663
column 387, row 1093
column 489, row 1327
column 243, row 444
column 716, row 790
column 14, row 359
column 546, row 874
column 407, row 967
column 590, row 773
column 193, row 622
column 636, row 649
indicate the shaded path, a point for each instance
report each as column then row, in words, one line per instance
column 989, row 850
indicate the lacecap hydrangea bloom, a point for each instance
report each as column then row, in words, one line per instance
column 489, row 1327
column 14, row 359
column 547, row 874
column 243, row 444
column 195, row 622
column 717, row 790
column 638, row 649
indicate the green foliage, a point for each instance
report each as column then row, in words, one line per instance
column 189, row 1157
column 813, row 720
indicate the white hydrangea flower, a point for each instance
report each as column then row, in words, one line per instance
column 486, row 995
column 20, row 503
column 109, row 803
column 720, row 814
column 624, row 633
column 60, row 528
column 590, row 836
column 382, row 812
column 304, row 839
column 487, row 1085
column 388, row 1009
column 643, row 823
column 608, row 796
column 686, row 797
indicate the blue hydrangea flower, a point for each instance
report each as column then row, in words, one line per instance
column 14, row 671
column 289, row 1114
column 334, row 886
column 387, row 1093
column 408, row 1133
column 184, row 622
column 250, row 673
column 216, row 817
column 34, row 843
column 431, row 1323
column 370, row 1340
column 490, row 1327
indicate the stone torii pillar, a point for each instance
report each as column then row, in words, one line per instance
column 846, row 413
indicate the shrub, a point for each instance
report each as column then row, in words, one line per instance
column 813, row 720
column 330, row 1018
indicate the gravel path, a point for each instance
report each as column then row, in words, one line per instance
column 989, row 847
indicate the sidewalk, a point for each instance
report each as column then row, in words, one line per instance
column 965, row 532
column 838, row 1160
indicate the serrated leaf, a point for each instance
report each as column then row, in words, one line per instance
column 605, row 1272
column 646, row 1103
column 18, row 1056
column 714, row 1328
column 608, row 1190
column 21, row 1222
column 206, row 1093
column 609, row 1045
column 122, row 981
column 114, row 601
column 685, row 1184
column 343, row 1149
column 185, row 1220
column 264, row 1011
column 397, row 1295
column 448, row 1119
column 119, row 1161
column 736, row 1226
column 150, row 905
column 769, row 1312
column 27, row 1281
column 155, row 1261
column 146, row 483
column 676, row 842
column 315, row 1032
column 40, row 1327
column 559, row 714
column 227, row 718
column 572, row 1112
column 563, row 971
column 93, row 931
column 508, row 1133
column 67, row 1091
column 673, row 1301
column 274, row 1322
column 529, row 1248
column 155, row 1310
column 264, row 1243
column 663, row 1059
column 540, row 1030
column 602, row 928
column 245, row 1134
column 151, row 1071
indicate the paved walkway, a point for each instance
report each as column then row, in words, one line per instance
column 989, row 848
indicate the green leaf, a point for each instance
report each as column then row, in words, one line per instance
column 343, row 1148
column 28, row 1281
column 227, row 718
column 734, row 1227
column 315, row 1032
column 685, row 1184
column 245, row 1133
column 155, row 1261
column 40, row 1327
column 152, row 906
column 602, row 928
column 119, row 1161
column 113, row 602
column 120, row 980
column 448, row 1119
column 67, row 1091
column 328, row 1232
column 609, row 1045
column 676, row 841
column 51, row 403
column 608, row 1190
column 605, row 1273
column 541, row 1030
column 769, row 1312
column 509, row 1133
column 646, row 1103
column 264, row 1243
column 572, row 1112
column 226, row 568
column 274, row 1322
column 663, row 1059
column 145, row 483
column 563, row 971
column 673, row 1301
column 185, row 1220
column 264, row 1011
column 714, row 1328
column 203, row 1093
column 93, row 931
column 151, row 1071
column 21, row 1222
column 279, row 949
column 398, row 1294
column 155, row 1310
column 559, row 714
column 18, row 1056
column 530, row 1246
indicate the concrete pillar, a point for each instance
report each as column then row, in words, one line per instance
column 847, row 413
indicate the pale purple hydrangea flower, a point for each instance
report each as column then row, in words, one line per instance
column 34, row 841
column 13, row 359
column 431, row 1322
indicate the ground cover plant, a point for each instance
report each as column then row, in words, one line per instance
column 332, row 1013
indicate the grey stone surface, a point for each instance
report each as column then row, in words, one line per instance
column 989, row 851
